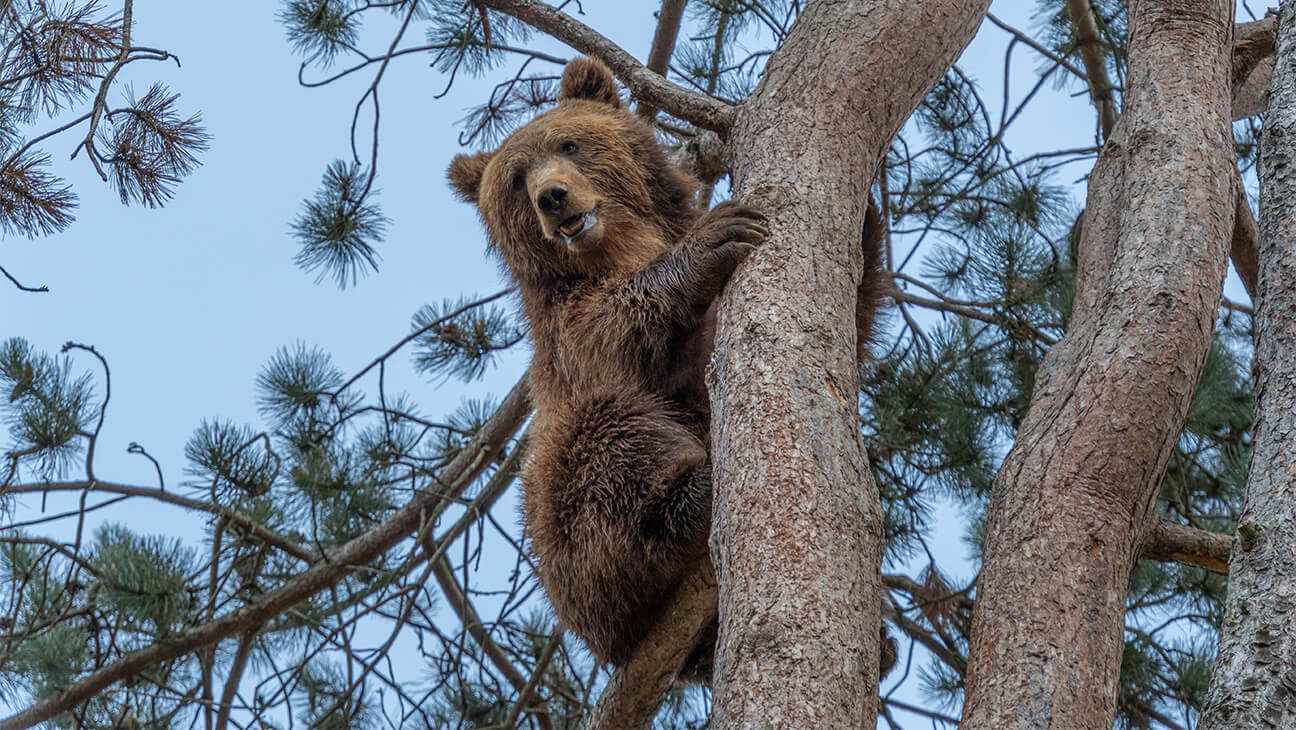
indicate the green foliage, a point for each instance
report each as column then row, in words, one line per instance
column 460, row 340
column 463, row 38
column 144, row 580
column 47, row 407
column 230, row 460
column 50, row 660
column 320, row 29
column 297, row 392
column 338, row 229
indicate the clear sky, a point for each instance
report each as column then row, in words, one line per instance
column 188, row 302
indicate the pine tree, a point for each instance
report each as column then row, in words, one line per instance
column 58, row 75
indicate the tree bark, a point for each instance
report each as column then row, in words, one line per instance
column 1075, row 498
column 1253, row 684
column 1253, row 64
column 797, row 528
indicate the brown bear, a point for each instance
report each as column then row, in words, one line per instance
column 617, row 269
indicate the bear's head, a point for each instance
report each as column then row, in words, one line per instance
column 584, row 189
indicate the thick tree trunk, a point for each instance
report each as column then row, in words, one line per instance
column 1075, row 498
column 797, row 531
column 1253, row 684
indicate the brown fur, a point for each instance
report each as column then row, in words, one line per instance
column 618, row 489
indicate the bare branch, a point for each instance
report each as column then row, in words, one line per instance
column 1244, row 246
column 663, row 45
column 254, row 527
column 637, row 689
column 1172, row 543
column 235, row 675
column 646, row 85
column 1253, row 49
column 541, row 666
column 1089, row 42
column 19, row 284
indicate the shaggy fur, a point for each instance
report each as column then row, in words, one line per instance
column 617, row 271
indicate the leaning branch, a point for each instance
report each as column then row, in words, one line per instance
column 1253, row 50
column 1244, row 247
column 637, row 689
column 476, row 628
column 645, row 84
column 663, row 45
column 243, row 521
column 1100, row 87
column 414, row 517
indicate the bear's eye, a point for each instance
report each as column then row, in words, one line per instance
column 519, row 181
column 568, row 148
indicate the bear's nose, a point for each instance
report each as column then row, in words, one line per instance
column 552, row 199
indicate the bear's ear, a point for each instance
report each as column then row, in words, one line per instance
column 586, row 78
column 466, row 172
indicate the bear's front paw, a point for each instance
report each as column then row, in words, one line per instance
column 725, row 235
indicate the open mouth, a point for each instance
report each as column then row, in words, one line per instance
column 576, row 226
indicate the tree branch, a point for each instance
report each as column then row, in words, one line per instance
column 1089, row 42
column 637, row 689
column 21, row 286
column 255, row 528
column 1077, row 491
column 472, row 623
column 797, row 521
column 241, row 655
column 1244, row 245
column 663, row 45
column 1252, row 65
column 1253, row 49
column 1173, row 543
column 524, row 696
column 415, row 516
column 645, row 84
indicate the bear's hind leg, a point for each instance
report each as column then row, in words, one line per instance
column 618, row 506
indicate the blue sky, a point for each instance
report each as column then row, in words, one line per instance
column 189, row 301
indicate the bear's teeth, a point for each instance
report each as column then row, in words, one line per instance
column 573, row 225
column 586, row 221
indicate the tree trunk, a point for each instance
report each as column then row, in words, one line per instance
column 1253, row 684
column 1075, row 498
column 797, row 535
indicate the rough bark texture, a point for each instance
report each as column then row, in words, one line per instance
column 1253, row 64
column 796, row 537
column 1254, row 681
column 1075, row 498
